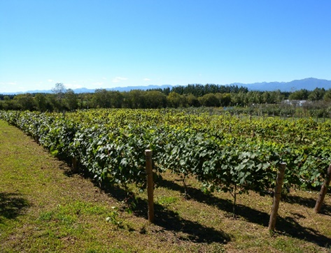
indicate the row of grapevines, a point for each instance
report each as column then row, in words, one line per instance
column 111, row 144
column 303, row 143
column 108, row 155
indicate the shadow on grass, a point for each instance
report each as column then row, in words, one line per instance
column 11, row 205
column 307, row 202
column 171, row 221
column 287, row 225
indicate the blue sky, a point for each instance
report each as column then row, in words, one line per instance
column 108, row 43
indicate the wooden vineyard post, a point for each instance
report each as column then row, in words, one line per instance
column 150, row 185
column 276, row 200
column 324, row 190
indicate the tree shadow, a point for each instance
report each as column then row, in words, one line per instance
column 285, row 225
column 171, row 221
column 11, row 205
column 307, row 202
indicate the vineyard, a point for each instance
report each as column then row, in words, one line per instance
column 235, row 154
column 221, row 151
column 227, row 153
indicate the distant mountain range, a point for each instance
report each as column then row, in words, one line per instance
column 127, row 88
column 307, row 83
column 86, row 90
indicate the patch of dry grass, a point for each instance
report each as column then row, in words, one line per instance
column 45, row 208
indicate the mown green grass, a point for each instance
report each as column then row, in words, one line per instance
column 46, row 208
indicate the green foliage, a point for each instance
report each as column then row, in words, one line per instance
column 222, row 152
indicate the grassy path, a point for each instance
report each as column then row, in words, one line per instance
column 45, row 208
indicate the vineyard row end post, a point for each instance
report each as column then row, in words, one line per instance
column 324, row 190
column 150, row 185
column 277, row 195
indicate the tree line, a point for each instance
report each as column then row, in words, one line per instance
column 192, row 95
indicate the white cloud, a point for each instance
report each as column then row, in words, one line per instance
column 99, row 84
column 119, row 79
column 50, row 80
column 146, row 79
column 73, row 85
column 9, row 87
